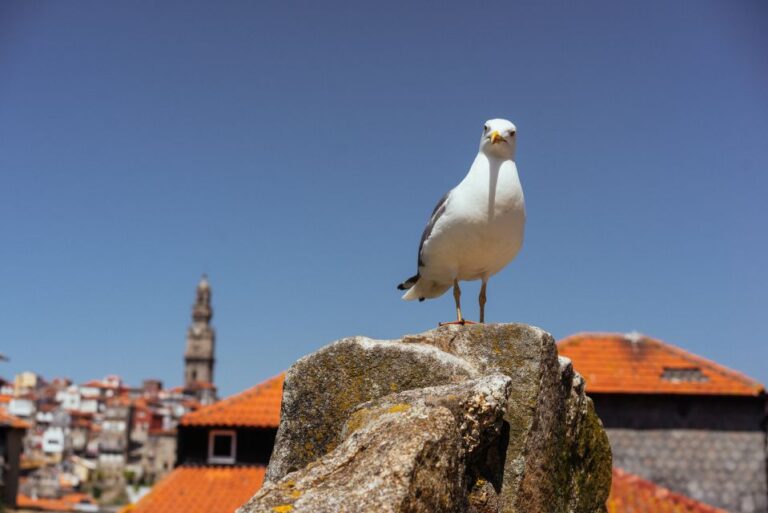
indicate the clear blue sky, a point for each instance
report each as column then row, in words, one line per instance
column 293, row 151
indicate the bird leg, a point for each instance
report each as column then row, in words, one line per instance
column 457, row 298
column 482, row 302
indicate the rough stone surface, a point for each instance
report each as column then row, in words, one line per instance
column 550, row 453
column 558, row 457
column 407, row 452
column 322, row 388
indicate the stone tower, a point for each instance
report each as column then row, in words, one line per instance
column 198, row 358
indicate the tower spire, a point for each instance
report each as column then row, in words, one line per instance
column 201, row 310
column 201, row 337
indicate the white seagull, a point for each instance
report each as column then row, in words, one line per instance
column 477, row 228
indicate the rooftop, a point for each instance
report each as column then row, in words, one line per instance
column 635, row 363
column 632, row 494
column 68, row 502
column 258, row 406
column 201, row 490
column 6, row 419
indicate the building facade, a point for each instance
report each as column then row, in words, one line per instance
column 676, row 419
column 11, row 435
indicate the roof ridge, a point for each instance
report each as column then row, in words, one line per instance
column 266, row 389
column 711, row 364
column 643, row 361
column 575, row 337
column 239, row 396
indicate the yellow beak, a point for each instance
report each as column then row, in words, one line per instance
column 496, row 137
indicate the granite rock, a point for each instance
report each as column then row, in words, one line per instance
column 549, row 454
column 406, row 453
column 322, row 389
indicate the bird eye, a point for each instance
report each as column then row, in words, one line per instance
column 485, row 128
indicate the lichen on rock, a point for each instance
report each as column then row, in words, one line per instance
column 481, row 418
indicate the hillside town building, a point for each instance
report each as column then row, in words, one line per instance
column 223, row 452
column 676, row 419
column 62, row 444
column 11, row 434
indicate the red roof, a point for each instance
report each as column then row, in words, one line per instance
column 6, row 419
column 201, row 490
column 633, row 363
column 200, row 385
column 256, row 407
column 633, row 494
column 97, row 383
column 65, row 503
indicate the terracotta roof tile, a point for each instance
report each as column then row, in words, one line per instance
column 617, row 363
column 202, row 490
column 256, row 407
column 200, row 385
column 6, row 419
column 632, row 494
column 97, row 383
column 65, row 503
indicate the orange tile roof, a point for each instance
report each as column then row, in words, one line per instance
column 633, row 363
column 200, row 385
column 256, row 407
column 201, row 490
column 65, row 503
column 97, row 383
column 6, row 419
column 633, row 494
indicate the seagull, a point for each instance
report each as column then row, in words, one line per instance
column 477, row 227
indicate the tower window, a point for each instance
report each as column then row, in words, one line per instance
column 222, row 446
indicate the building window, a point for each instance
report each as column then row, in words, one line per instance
column 684, row 375
column 222, row 445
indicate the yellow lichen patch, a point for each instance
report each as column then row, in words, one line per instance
column 295, row 494
column 397, row 408
column 290, row 483
column 357, row 420
column 283, row 508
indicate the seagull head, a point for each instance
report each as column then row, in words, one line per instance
column 498, row 138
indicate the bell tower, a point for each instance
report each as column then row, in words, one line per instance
column 201, row 338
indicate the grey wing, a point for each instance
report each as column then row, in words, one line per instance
column 436, row 213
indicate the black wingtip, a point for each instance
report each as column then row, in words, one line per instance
column 410, row 282
column 421, row 299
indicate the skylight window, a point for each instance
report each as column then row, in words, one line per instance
column 684, row 375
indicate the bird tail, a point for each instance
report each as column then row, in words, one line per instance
column 416, row 288
column 410, row 282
